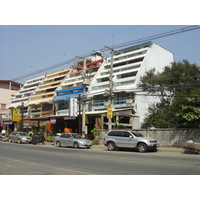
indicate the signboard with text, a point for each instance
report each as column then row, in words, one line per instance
column 109, row 111
column 16, row 114
column 73, row 107
column 52, row 120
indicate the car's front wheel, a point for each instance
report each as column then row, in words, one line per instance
column 76, row 145
column 58, row 144
column 111, row 146
column 142, row 147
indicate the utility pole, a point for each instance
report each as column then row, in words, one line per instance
column 22, row 118
column 85, row 83
column 84, row 95
column 79, row 114
column 110, row 88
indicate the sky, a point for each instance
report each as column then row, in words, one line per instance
column 29, row 48
column 35, row 35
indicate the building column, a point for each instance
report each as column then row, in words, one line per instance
column 134, row 120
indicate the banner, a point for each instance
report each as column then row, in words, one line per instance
column 73, row 107
column 16, row 114
column 109, row 111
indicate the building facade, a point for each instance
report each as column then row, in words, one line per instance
column 129, row 103
column 78, row 98
column 40, row 102
column 8, row 90
column 69, row 94
column 22, row 97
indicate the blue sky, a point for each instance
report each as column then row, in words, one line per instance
column 28, row 48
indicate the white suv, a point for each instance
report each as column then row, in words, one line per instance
column 129, row 139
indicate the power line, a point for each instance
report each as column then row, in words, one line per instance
column 157, row 36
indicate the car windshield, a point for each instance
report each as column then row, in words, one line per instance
column 76, row 136
column 137, row 134
column 23, row 134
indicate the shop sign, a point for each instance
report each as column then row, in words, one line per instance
column 73, row 107
column 52, row 120
column 109, row 111
column 16, row 114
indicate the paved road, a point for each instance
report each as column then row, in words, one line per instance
column 27, row 159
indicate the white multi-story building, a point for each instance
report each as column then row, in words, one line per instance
column 129, row 103
column 22, row 97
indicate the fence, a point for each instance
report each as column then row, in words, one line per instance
column 168, row 137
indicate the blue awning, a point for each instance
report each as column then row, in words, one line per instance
column 66, row 97
column 70, row 89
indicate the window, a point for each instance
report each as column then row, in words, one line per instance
column 137, row 134
column 3, row 106
column 68, row 135
column 126, row 134
column 115, row 133
column 63, row 136
column 112, row 133
column 118, row 133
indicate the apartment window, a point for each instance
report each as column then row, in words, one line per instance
column 3, row 106
column 128, row 75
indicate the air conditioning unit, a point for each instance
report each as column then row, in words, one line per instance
column 129, row 101
column 86, row 81
column 106, row 104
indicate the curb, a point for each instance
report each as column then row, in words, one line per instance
column 160, row 149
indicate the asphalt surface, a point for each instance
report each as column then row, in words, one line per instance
column 28, row 159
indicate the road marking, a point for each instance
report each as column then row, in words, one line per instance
column 57, row 168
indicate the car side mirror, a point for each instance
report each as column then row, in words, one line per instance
column 130, row 136
column 71, row 138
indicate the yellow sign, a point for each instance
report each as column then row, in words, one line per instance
column 16, row 115
column 109, row 111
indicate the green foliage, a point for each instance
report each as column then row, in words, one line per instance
column 96, row 131
column 97, row 134
column 189, row 111
column 50, row 138
column 178, row 89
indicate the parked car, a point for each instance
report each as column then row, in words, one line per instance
column 71, row 140
column 3, row 138
column 129, row 139
column 19, row 137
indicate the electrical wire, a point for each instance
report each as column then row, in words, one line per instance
column 142, row 40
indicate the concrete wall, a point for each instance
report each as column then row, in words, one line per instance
column 169, row 137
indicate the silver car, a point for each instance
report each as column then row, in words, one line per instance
column 129, row 139
column 72, row 140
column 19, row 137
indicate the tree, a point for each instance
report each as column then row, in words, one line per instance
column 178, row 89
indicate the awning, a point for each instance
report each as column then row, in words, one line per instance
column 66, row 97
column 70, row 89
column 39, row 119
